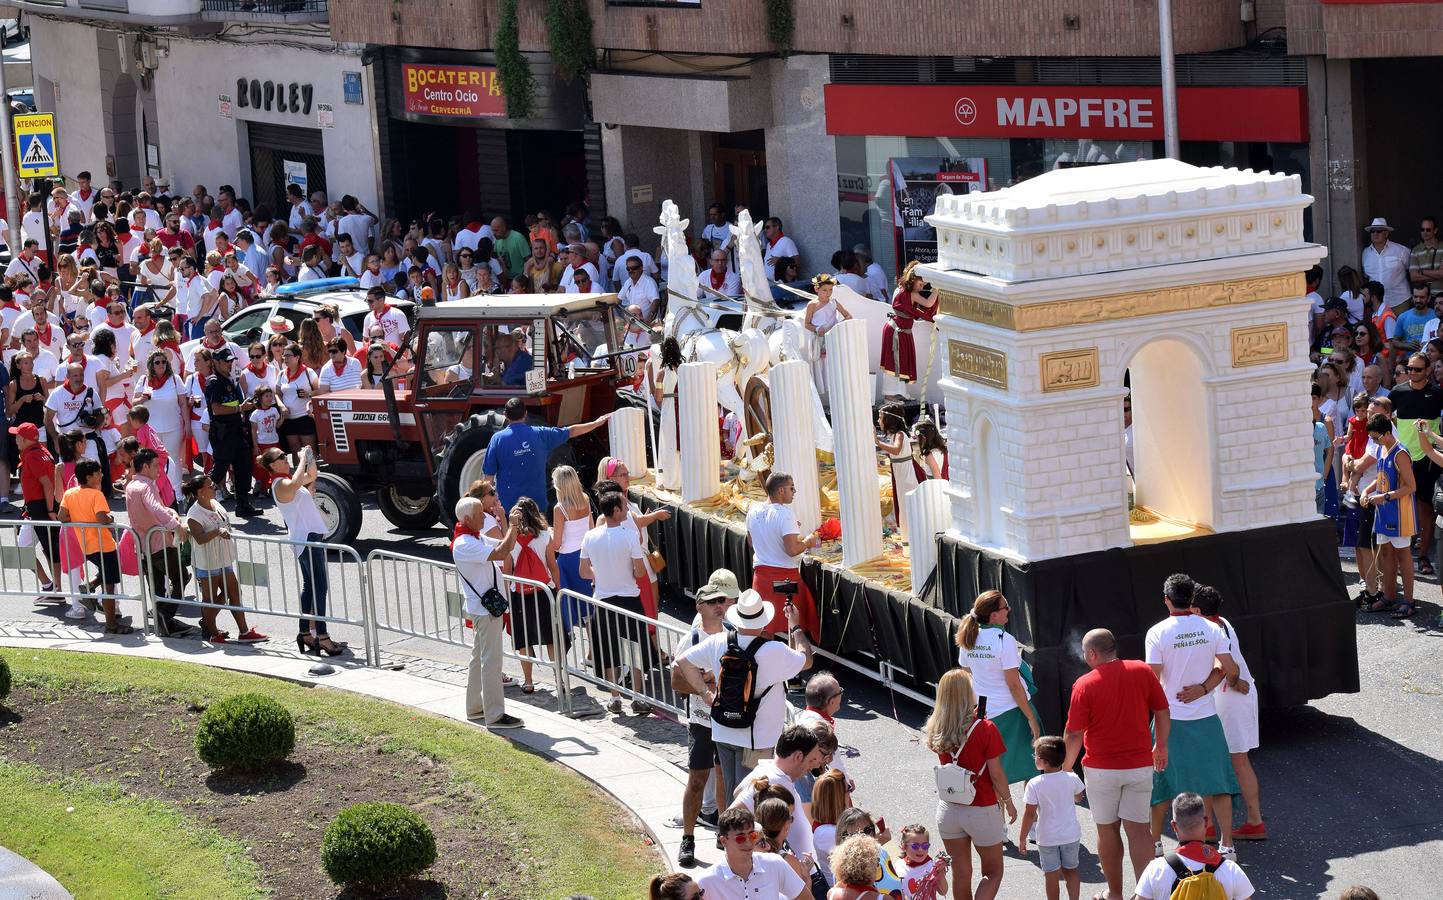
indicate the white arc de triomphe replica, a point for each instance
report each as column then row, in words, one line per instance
column 1188, row 278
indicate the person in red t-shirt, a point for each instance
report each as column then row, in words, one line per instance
column 958, row 735
column 1109, row 716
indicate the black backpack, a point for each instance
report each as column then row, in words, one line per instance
column 737, row 697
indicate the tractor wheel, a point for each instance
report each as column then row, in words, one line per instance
column 340, row 508
column 405, row 512
column 462, row 453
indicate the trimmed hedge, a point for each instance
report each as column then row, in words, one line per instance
column 5, row 679
column 245, row 732
column 372, row 844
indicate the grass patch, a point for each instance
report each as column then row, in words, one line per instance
column 115, row 846
column 572, row 837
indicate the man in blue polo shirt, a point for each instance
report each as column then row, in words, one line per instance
column 517, row 454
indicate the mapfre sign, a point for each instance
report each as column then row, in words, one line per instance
column 1098, row 112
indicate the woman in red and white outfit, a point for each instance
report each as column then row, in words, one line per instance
column 201, row 369
column 612, row 469
column 899, row 351
column 294, row 385
column 166, row 400
column 112, row 386
column 258, row 373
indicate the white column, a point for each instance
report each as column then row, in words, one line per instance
column 627, row 429
column 929, row 513
column 793, row 444
column 850, row 390
column 700, row 442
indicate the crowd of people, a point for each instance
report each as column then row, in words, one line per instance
column 1376, row 400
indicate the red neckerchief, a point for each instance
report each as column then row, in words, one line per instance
column 142, row 332
column 205, row 342
column 828, row 719
column 85, row 194
column 1199, row 852
column 385, row 308
column 11, row 305
column 158, row 383
column 291, row 376
column 461, row 529
column 44, row 333
column 259, row 373
column 82, row 390
column 473, row 227
column 1186, row 612
column 718, row 280
column 772, row 242
column 112, row 326
column 341, row 366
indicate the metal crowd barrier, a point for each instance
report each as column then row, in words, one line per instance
column 644, row 649
column 24, row 544
column 268, row 571
column 422, row 598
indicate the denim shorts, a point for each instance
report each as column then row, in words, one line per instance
column 214, row 573
column 1063, row 856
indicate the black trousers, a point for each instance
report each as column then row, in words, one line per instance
column 230, row 447
column 165, row 566
column 100, row 451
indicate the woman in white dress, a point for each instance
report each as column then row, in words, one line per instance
column 661, row 372
column 166, row 400
column 821, row 315
column 898, row 446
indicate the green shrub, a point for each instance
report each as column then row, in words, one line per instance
column 4, row 679
column 372, row 844
column 245, row 732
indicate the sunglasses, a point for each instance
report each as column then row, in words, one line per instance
column 258, row 356
column 75, row 344
column 747, row 837
column 1417, row 368
column 633, row 268
column 918, row 846
column 713, row 601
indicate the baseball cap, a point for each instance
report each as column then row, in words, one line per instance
column 26, row 430
column 224, row 354
column 721, row 584
column 1336, row 303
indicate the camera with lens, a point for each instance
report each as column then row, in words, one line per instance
column 91, row 418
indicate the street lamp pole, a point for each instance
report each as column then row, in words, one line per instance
column 1169, row 80
column 7, row 155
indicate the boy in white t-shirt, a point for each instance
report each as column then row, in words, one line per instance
column 265, row 422
column 1051, row 800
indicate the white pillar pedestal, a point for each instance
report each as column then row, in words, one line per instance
column 793, row 443
column 700, row 442
column 850, row 392
column 929, row 513
column 627, row 430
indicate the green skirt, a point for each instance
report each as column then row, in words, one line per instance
column 1197, row 761
column 1017, row 735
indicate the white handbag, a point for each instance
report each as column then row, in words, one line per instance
column 956, row 784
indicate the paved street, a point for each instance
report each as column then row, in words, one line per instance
column 1352, row 784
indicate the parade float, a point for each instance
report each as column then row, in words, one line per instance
column 1057, row 297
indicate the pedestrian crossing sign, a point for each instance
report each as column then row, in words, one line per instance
column 35, row 145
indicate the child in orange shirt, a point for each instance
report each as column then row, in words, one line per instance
column 87, row 503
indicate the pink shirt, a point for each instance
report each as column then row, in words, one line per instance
column 147, row 510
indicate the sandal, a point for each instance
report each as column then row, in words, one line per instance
column 120, row 628
column 1381, row 605
column 528, row 688
column 1425, row 567
column 1403, row 609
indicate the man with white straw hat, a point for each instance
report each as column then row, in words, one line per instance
column 748, row 703
column 1387, row 263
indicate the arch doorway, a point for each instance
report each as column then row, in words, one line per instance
column 1172, row 442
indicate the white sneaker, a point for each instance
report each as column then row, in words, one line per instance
column 76, row 611
column 1228, row 853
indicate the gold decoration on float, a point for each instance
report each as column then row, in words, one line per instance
column 1256, row 345
column 1112, row 307
column 1068, row 370
column 980, row 364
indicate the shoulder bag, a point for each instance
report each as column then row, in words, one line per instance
column 492, row 600
column 956, row 784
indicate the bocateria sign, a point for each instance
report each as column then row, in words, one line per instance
column 471, row 92
column 1098, row 112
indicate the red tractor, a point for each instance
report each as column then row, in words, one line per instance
column 419, row 440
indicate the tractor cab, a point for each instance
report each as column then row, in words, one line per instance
column 420, row 440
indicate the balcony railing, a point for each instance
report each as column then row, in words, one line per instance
column 292, row 10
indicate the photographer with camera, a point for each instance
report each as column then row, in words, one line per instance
column 73, row 406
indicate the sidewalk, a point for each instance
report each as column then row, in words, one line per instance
column 638, row 779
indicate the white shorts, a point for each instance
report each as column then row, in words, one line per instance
column 1114, row 794
column 1402, row 543
column 1239, row 715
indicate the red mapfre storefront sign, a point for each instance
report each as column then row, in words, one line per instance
column 1102, row 113
column 470, row 92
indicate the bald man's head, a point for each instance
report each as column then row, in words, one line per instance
column 1099, row 641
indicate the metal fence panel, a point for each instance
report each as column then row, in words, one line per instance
column 26, row 545
column 625, row 652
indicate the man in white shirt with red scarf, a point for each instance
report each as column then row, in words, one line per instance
column 777, row 246
column 719, row 277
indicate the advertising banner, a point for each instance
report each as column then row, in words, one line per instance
column 463, row 92
column 916, row 182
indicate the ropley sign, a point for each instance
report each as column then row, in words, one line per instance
column 268, row 95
